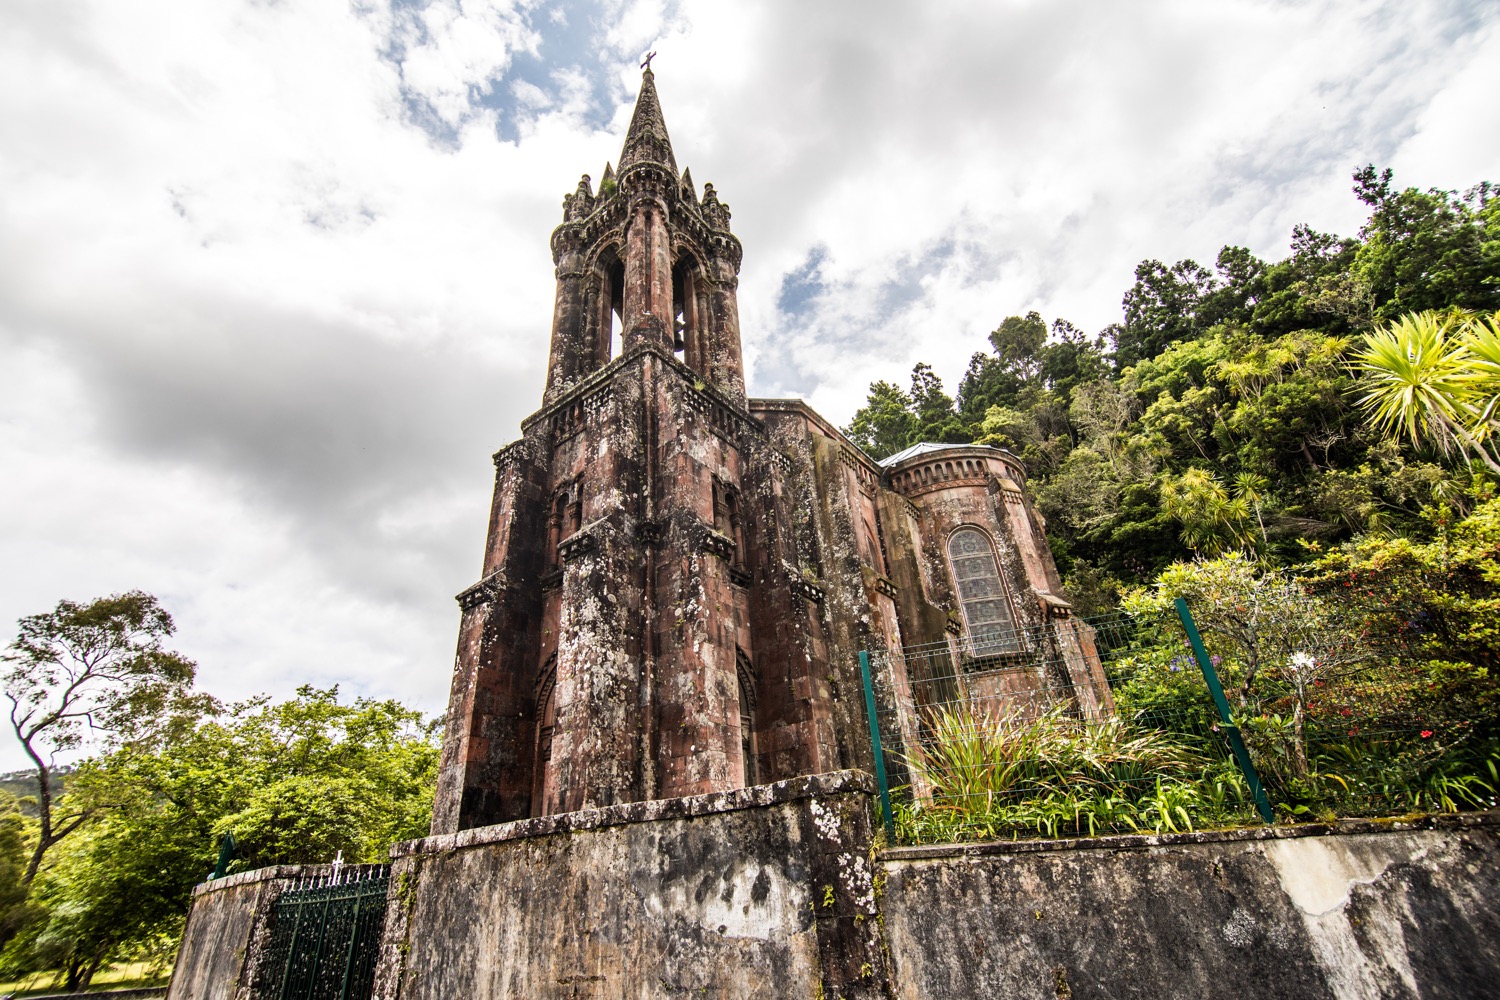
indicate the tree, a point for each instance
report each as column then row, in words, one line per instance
column 1260, row 621
column 296, row 782
column 1161, row 309
column 1423, row 250
column 892, row 420
column 1434, row 378
column 88, row 670
column 884, row 425
column 15, row 854
column 932, row 410
column 1212, row 521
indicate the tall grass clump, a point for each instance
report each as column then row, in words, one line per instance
column 978, row 775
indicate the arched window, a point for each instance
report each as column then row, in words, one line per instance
column 610, row 279
column 546, row 719
column 981, row 592
column 747, row 716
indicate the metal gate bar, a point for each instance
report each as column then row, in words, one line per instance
column 325, row 940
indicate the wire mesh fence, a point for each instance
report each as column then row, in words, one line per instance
column 1110, row 724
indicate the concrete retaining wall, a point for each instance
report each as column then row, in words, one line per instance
column 765, row 892
column 770, row 892
column 226, row 932
column 1363, row 911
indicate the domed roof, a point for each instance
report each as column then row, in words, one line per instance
column 923, row 447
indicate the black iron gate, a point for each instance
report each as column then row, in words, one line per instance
column 325, row 937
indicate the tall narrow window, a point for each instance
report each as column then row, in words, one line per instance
column 685, row 314
column 747, row 717
column 557, row 526
column 546, row 721
column 611, row 278
column 981, row 593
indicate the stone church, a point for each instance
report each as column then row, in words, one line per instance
column 658, row 681
column 678, row 579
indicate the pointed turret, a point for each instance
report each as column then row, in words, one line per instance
column 688, row 193
column 647, row 141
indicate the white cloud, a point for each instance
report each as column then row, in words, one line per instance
column 272, row 287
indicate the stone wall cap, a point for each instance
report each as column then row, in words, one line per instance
column 757, row 796
column 799, row 407
column 132, row 994
column 1141, row 842
column 261, row 875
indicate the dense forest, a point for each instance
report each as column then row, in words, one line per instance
column 1223, row 412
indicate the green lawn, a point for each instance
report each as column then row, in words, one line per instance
column 135, row 975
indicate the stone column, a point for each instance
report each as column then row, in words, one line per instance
column 648, row 275
column 571, row 356
column 727, row 367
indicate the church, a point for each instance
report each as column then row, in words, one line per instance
column 678, row 579
column 656, row 777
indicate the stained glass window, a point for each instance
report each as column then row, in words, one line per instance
column 981, row 592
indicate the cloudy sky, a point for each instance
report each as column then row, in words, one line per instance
column 275, row 280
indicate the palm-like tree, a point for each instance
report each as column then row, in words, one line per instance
column 1434, row 378
column 1212, row 521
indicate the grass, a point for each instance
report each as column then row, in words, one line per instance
column 983, row 776
column 131, row 975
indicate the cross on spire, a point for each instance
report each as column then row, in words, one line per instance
column 647, row 64
column 646, row 140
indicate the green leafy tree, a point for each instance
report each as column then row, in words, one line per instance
column 1162, row 308
column 1425, row 250
column 1260, row 622
column 297, row 782
column 1213, row 522
column 932, row 409
column 98, row 670
column 16, row 833
column 885, row 424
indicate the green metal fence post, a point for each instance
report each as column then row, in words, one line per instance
column 353, row 949
column 1236, row 742
column 227, row 847
column 880, row 778
column 291, row 952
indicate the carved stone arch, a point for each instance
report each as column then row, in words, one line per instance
column 745, row 673
column 606, row 270
column 546, row 721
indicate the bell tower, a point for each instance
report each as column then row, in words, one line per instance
column 606, row 654
column 645, row 261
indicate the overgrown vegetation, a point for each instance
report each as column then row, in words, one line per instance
column 983, row 776
column 1225, row 411
column 297, row 781
column 1306, row 449
column 1364, row 683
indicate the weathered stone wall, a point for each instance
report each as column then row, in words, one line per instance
column 763, row 892
column 227, row 930
column 770, row 892
column 1368, row 911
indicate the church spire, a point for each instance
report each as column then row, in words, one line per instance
column 647, row 141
